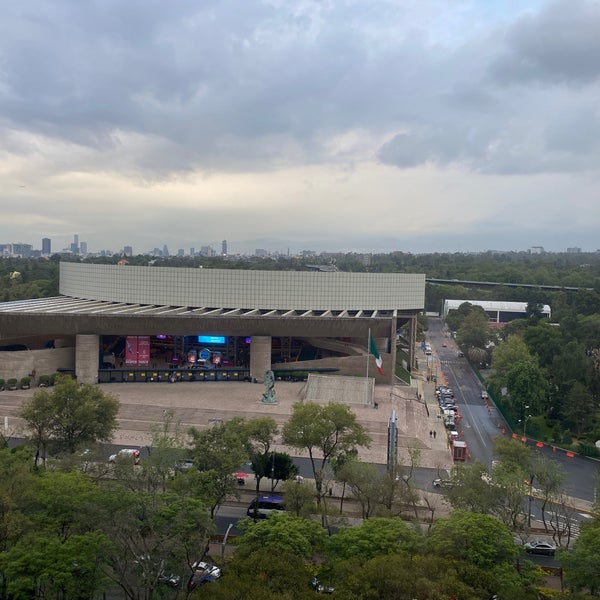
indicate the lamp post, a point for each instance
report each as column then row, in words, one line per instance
column 525, row 408
column 525, row 423
column 225, row 540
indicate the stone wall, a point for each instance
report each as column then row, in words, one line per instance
column 43, row 362
column 355, row 366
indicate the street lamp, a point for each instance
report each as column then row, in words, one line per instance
column 525, row 423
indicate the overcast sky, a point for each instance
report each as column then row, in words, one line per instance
column 330, row 125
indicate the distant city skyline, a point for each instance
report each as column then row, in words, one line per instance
column 427, row 126
column 81, row 247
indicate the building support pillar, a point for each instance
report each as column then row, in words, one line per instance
column 87, row 353
column 260, row 356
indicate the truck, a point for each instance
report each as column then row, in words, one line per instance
column 449, row 420
column 459, row 450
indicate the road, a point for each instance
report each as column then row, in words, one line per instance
column 481, row 424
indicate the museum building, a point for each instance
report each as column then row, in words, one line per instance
column 130, row 323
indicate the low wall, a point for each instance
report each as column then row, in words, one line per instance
column 355, row 366
column 42, row 362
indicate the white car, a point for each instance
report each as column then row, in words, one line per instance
column 132, row 453
column 203, row 572
column 484, row 395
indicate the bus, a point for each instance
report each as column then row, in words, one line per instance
column 263, row 506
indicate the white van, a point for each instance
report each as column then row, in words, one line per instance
column 132, row 453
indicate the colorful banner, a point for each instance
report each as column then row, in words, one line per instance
column 137, row 350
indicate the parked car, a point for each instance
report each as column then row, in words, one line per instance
column 442, row 483
column 539, row 547
column 203, row 572
column 184, row 464
column 320, row 588
column 132, row 453
column 484, row 395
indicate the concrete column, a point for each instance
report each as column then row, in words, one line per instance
column 260, row 356
column 87, row 352
column 394, row 327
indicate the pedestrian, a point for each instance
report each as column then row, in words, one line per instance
column 430, row 433
column 434, row 434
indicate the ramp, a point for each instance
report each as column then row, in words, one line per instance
column 334, row 388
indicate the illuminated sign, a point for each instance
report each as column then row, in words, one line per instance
column 211, row 339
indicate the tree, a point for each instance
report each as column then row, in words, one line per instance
column 325, row 432
column 70, row 415
column 375, row 537
column 580, row 405
column 152, row 534
column 475, row 329
column 478, row 539
column 548, row 476
column 508, row 352
column 527, row 388
column 218, row 453
column 299, row 498
column 39, row 414
column 582, row 565
column 263, row 575
column 168, row 447
column 281, row 533
column 279, row 466
column 470, row 490
column 364, row 482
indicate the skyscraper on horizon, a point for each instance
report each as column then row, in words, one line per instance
column 224, row 248
column 46, row 246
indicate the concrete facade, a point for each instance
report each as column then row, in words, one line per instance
column 122, row 300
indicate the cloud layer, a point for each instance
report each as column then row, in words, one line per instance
column 325, row 124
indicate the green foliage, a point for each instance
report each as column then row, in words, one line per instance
column 327, row 431
column 474, row 330
column 299, row 498
column 375, row 537
column 282, row 533
column 582, row 565
column 70, row 416
column 218, row 453
column 262, row 575
column 478, row 539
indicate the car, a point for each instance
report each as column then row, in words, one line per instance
column 484, row 395
column 444, row 345
column 461, row 354
column 539, row 547
column 184, row 464
column 318, row 587
column 443, row 483
column 203, row 572
column 124, row 453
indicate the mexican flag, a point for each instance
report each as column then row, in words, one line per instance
column 375, row 353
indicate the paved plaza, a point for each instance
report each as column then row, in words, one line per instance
column 201, row 404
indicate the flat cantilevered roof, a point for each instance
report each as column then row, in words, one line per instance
column 117, row 299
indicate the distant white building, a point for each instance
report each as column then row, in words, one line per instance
column 536, row 250
column 497, row 312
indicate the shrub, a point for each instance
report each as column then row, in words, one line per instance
column 586, row 449
column 2, row 382
column 11, row 384
column 44, row 381
column 25, row 382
